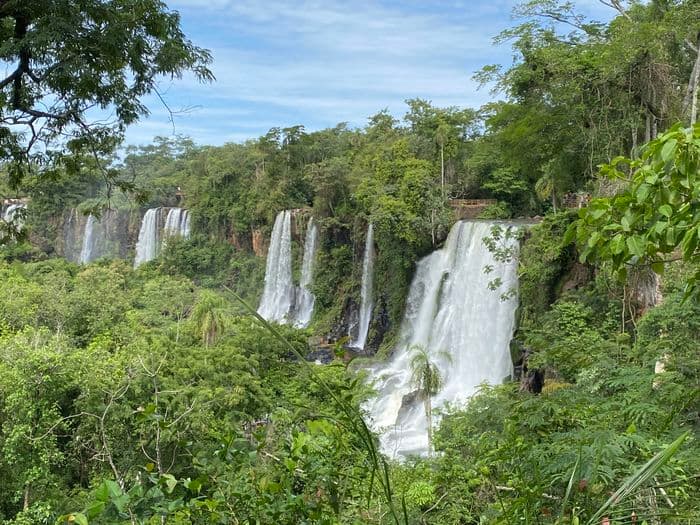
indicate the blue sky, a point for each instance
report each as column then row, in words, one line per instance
column 317, row 63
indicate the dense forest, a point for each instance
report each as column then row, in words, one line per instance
column 156, row 394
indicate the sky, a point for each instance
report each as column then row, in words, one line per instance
column 281, row 63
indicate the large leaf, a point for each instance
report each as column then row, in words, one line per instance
column 638, row 479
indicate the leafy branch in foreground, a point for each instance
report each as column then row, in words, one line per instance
column 504, row 245
column 656, row 219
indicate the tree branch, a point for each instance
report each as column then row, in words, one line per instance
column 617, row 6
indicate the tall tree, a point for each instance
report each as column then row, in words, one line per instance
column 428, row 381
column 69, row 59
column 208, row 317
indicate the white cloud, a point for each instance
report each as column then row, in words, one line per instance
column 320, row 62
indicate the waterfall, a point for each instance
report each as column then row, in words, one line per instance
column 147, row 244
column 13, row 223
column 177, row 223
column 278, row 295
column 450, row 311
column 88, row 252
column 305, row 299
column 11, row 211
column 365, row 291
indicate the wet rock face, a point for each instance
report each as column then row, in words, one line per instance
column 409, row 404
column 348, row 318
column 579, row 275
column 379, row 327
column 260, row 243
column 116, row 233
column 321, row 354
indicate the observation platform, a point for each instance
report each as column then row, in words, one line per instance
column 470, row 208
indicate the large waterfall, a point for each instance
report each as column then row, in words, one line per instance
column 365, row 292
column 177, row 223
column 278, row 295
column 304, row 306
column 450, row 311
column 88, row 252
column 148, row 242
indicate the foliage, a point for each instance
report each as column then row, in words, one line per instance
column 656, row 216
column 146, row 397
column 428, row 380
column 110, row 56
column 544, row 260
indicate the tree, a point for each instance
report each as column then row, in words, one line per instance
column 428, row 380
column 68, row 59
column 208, row 317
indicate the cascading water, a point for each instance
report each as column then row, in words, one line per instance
column 304, row 307
column 88, row 252
column 13, row 220
column 450, row 311
column 278, row 296
column 177, row 223
column 147, row 245
column 365, row 292
column 11, row 211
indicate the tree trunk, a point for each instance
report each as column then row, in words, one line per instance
column 696, row 78
column 442, row 169
column 647, row 129
column 429, row 419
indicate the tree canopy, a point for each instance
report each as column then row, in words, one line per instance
column 78, row 72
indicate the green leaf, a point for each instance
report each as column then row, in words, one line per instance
column 668, row 150
column 642, row 192
column 95, row 509
column 78, row 518
column 121, row 502
column 689, row 243
column 617, row 244
column 666, row 210
column 593, row 239
column 626, row 225
column 636, row 245
column 170, row 482
column 114, row 489
column 658, row 268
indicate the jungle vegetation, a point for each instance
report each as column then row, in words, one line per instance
column 154, row 396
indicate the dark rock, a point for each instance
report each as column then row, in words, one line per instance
column 409, row 403
column 322, row 353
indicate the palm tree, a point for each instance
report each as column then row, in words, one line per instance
column 209, row 317
column 428, row 381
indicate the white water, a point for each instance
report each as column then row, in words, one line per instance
column 304, row 307
column 449, row 309
column 365, row 292
column 147, row 244
column 87, row 252
column 11, row 211
column 278, row 295
column 177, row 223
